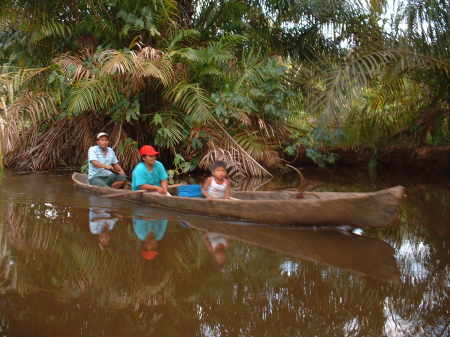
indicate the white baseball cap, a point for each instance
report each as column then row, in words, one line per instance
column 102, row 134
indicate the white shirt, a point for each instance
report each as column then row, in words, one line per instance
column 106, row 158
column 215, row 190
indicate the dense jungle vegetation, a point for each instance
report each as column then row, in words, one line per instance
column 254, row 82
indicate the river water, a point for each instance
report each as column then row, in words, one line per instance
column 75, row 264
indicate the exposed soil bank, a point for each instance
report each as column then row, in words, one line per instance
column 427, row 158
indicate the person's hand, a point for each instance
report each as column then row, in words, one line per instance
column 109, row 167
column 161, row 190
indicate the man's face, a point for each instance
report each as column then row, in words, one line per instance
column 103, row 141
column 104, row 238
column 149, row 159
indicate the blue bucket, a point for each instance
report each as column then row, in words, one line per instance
column 190, row 191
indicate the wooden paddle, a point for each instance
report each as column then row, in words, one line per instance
column 119, row 194
column 113, row 195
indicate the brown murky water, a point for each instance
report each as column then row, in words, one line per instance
column 74, row 264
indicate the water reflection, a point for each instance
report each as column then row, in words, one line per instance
column 217, row 245
column 149, row 231
column 365, row 255
column 56, row 281
column 101, row 223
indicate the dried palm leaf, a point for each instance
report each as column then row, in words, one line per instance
column 239, row 162
column 126, row 148
column 74, row 67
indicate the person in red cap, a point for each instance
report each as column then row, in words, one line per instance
column 149, row 174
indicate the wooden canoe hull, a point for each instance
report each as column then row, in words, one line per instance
column 373, row 209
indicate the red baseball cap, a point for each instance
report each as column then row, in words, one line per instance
column 148, row 150
column 149, row 254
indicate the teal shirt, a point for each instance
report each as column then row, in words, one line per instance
column 141, row 175
column 142, row 228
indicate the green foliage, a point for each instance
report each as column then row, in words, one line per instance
column 126, row 144
column 261, row 94
column 169, row 131
column 315, row 144
column 136, row 23
column 249, row 76
column 92, row 95
column 125, row 110
column 321, row 158
column 85, row 168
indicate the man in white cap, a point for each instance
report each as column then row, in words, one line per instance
column 104, row 168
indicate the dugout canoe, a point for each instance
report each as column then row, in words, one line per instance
column 363, row 255
column 373, row 209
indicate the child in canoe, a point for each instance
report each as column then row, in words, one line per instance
column 218, row 185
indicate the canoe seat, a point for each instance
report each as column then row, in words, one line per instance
column 190, row 191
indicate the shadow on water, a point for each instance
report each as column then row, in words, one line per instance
column 73, row 264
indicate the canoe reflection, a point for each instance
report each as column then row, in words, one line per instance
column 365, row 255
column 150, row 231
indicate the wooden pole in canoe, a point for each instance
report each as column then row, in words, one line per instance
column 119, row 194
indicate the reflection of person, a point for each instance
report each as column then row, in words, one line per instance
column 217, row 245
column 104, row 168
column 217, row 186
column 150, row 232
column 101, row 223
column 149, row 174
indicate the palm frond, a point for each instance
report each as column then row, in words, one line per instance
column 347, row 81
column 147, row 62
column 73, row 66
column 49, row 28
column 192, row 99
column 259, row 147
column 92, row 95
column 169, row 131
column 13, row 78
column 116, row 62
column 127, row 148
column 240, row 163
column 181, row 35
column 35, row 106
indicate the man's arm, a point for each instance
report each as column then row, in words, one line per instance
column 205, row 187
column 164, row 185
column 96, row 163
column 115, row 164
column 152, row 188
column 118, row 169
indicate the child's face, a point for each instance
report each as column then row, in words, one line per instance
column 220, row 257
column 220, row 173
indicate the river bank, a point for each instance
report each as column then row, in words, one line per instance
column 425, row 158
column 418, row 161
